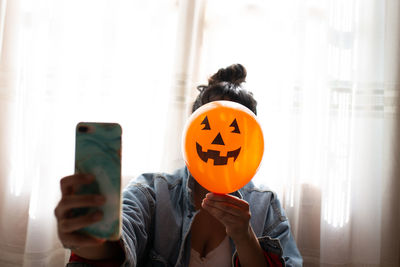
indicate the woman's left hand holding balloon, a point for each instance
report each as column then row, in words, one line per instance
column 232, row 212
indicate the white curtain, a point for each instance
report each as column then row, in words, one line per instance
column 63, row 62
column 324, row 72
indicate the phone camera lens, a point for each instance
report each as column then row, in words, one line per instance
column 83, row 129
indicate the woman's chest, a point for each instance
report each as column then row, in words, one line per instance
column 206, row 233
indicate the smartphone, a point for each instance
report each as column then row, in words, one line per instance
column 98, row 152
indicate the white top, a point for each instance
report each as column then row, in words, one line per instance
column 220, row 256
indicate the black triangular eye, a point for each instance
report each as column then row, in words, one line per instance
column 235, row 125
column 206, row 124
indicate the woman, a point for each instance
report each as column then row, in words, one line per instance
column 170, row 220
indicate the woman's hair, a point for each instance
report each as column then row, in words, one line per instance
column 226, row 85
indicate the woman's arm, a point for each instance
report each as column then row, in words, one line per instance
column 107, row 251
column 250, row 252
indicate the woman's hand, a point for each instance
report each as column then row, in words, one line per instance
column 67, row 225
column 232, row 212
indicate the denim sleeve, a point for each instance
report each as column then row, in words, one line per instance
column 137, row 218
column 277, row 237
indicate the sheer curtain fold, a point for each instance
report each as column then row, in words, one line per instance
column 325, row 75
column 13, row 208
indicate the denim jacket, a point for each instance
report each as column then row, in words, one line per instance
column 158, row 211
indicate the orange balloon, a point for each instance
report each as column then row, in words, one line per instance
column 223, row 146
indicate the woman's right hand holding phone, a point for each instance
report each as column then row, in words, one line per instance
column 83, row 245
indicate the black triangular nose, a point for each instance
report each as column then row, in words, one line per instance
column 218, row 140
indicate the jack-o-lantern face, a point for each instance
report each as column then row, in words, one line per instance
column 223, row 146
column 215, row 154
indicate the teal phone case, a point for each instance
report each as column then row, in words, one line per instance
column 98, row 152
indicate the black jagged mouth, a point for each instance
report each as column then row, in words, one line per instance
column 214, row 154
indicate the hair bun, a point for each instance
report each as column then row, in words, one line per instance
column 235, row 74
